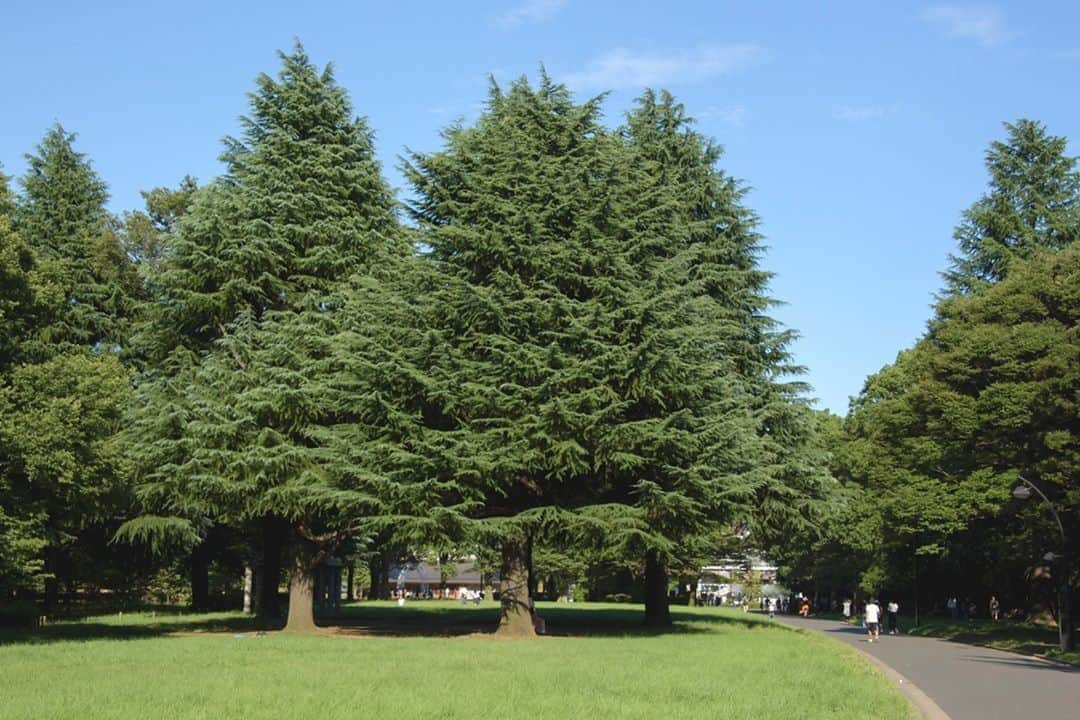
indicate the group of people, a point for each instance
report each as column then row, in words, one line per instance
column 968, row 610
column 872, row 617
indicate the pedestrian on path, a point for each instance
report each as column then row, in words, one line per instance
column 872, row 614
column 995, row 608
column 892, row 609
column 847, row 609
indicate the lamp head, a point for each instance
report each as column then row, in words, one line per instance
column 1021, row 492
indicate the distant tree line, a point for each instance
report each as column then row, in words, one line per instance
column 933, row 446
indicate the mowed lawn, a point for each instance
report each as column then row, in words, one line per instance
column 434, row 659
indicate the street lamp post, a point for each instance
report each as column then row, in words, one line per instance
column 1023, row 492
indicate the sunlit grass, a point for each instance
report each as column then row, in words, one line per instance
column 436, row 660
column 1022, row 637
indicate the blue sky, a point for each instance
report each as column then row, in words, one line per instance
column 860, row 126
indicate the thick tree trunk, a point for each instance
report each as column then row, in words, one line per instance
column 657, row 613
column 52, row 584
column 301, row 592
column 529, row 565
column 515, row 619
column 380, row 585
column 350, row 593
column 199, row 575
column 268, row 575
column 249, row 578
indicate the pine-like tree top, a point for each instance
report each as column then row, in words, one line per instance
column 63, row 200
column 303, row 205
column 1033, row 202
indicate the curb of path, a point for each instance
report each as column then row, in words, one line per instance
column 926, row 707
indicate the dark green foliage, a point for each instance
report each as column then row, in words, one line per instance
column 724, row 437
column 63, row 469
column 148, row 234
column 61, row 215
column 62, row 304
column 937, row 440
column 302, row 205
column 511, row 211
column 248, row 390
column 607, row 363
column 21, row 295
column 1033, row 203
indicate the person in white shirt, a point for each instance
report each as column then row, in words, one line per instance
column 873, row 620
column 891, row 610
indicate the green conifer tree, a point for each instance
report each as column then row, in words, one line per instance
column 1033, row 203
column 61, row 468
column 512, row 211
column 244, row 305
column 61, row 215
column 713, row 424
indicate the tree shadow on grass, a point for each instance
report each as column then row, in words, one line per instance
column 384, row 619
column 134, row 626
column 438, row 619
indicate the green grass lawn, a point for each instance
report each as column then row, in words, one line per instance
column 433, row 659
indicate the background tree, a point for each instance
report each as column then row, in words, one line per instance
column 937, row 439
column 1033, row 202
column 61, row 215
column 147, row 234
column 73, row 292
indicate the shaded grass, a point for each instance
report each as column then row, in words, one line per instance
column 131, row 625
column 604, row 665
column 1021, row 637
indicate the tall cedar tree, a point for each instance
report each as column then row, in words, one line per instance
column 228, row 416
column 515, row 213
column 62, row 464
column 61, row 214
column 707, row 431
column 1033, row 203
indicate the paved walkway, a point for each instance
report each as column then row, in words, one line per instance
column 968, row 682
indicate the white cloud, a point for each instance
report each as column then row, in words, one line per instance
column 622, row 68
column 985, row 25
column 733, row 115
column 530, row 11
column 859, row 113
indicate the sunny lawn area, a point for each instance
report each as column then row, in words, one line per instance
column 428, row 660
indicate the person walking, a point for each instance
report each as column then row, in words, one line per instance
column 892, row 609
column 772, row 607
column 872, row 615
column 847, row 609
column 995, row 608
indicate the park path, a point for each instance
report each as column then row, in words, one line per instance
column 968, row 682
